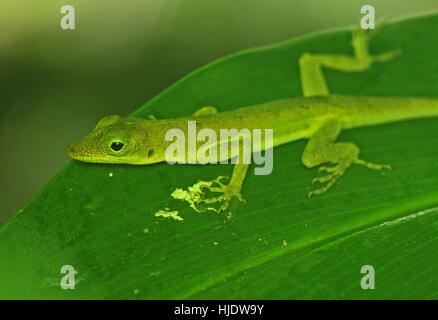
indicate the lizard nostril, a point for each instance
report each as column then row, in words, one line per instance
column 71, row 149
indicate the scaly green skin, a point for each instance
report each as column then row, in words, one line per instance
column 318, row 116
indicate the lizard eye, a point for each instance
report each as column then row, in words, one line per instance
column 117, row 146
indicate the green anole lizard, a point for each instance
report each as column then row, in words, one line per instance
column 317, row 116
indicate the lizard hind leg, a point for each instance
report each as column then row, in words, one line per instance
column 322, row 149
column 311, row 64
column 342, row 165
column 360, row 42
column 342, row 154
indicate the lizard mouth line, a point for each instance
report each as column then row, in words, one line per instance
column 73, row 153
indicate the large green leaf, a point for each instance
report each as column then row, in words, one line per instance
column 100, row 218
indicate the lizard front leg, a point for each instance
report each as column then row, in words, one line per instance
column 230, row 190
column 322, row 148
column 204, row 111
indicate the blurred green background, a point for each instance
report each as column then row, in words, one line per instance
column 56, row 84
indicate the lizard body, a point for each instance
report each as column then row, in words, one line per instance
column 317, row 116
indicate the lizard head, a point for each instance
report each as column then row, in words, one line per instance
column 117, row 140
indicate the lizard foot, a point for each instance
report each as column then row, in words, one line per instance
column 337, row 171
column 361, row 38
column 227, row 193
column 334, row 174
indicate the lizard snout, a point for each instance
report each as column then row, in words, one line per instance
column 72, row 150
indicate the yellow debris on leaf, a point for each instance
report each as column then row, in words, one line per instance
column 166, row 213
column 193, row 195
